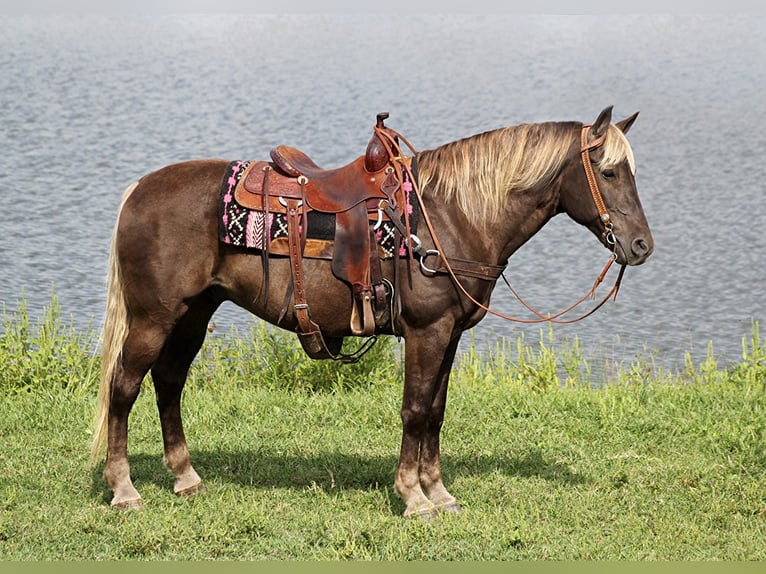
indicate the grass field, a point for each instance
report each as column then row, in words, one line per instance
column 299, row 457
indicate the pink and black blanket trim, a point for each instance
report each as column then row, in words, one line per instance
column 242, row 227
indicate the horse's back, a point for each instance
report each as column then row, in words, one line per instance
column 173, row 196
column 172, row 185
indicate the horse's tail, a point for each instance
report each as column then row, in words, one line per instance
column 116, row 323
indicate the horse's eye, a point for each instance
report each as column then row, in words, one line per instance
column 608, row 174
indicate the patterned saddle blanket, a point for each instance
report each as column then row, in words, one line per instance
column 243, row 227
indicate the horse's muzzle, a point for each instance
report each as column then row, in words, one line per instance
column 640, row 250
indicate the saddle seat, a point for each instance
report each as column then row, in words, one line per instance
column 294, row 162
column 335, row 190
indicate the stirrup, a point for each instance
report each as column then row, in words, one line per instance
column 362, row 324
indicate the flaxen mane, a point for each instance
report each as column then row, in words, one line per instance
column 478, row 172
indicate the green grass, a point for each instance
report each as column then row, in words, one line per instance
column 299, row 456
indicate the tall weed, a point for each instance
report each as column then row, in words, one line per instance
column 47, row 354
column 752, row 369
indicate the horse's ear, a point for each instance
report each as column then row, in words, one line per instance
column 625, row 124
column 602, row 122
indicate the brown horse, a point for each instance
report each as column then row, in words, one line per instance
column 486, row 195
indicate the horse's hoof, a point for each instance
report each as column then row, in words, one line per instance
column 451, row 508
column 425, row 514
column 132, row 504
column 192, row 490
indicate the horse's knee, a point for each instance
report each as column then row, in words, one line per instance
column 414, row 418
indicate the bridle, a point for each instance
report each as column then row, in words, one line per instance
column 603, row 214
column 454, row 267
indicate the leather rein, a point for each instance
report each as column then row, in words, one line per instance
column 455, row 266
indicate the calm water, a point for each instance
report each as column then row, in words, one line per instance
column 88, row 104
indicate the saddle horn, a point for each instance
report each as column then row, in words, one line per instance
column 376, row 155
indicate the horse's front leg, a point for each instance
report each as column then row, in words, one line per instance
column 430, row 466
column 428, row 358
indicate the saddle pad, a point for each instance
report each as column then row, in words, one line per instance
column 242, row 227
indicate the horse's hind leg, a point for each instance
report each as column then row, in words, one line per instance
column 141, row 348
column 169, row 376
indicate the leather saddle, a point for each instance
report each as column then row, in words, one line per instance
column 293, row 184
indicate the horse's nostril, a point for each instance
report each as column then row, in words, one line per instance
column 639, row 247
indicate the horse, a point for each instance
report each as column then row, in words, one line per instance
column 484, row 197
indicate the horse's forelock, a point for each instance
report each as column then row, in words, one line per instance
column 616, row 150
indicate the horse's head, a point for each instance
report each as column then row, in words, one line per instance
column 599, row 190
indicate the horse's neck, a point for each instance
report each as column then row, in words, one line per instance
column 523, row 216
column 520, row 214
column 529, row 212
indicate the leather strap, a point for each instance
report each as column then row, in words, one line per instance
column 376, row 274
column 301, row 308
column 401, row 164
column 266, row 236
column 464, row 268
column 585, row 148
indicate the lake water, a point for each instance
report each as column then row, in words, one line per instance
column 90, row 103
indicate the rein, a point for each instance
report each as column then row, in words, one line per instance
column 454, row 267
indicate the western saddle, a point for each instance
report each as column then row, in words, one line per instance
column 369, row 188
